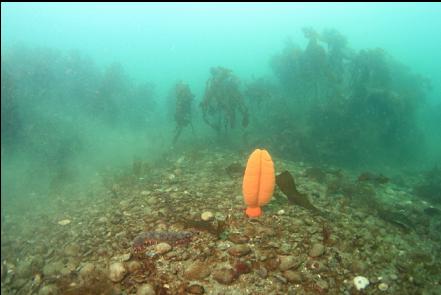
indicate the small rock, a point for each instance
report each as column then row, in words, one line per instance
column 72, row 250
column 37, row 280
column 102, row 219
column 48, row 290
column 262, row 272
column 133, row 266
column 222, row 245
column 287, row 262
column 163, row 248
column 293, row 276
column 123, row 257
column 64, row 222
column 197, row 271
column 238, row 238
column 18, row 283
column 383, row 286
column 195, row 289
column 224, row 276
column 239, row 250
column 317, row 250
column 24, row 269
column 145, row 289
column 53, row 268
column 281, row 212
column 117, row 272
column 322, row 285
column 241, row 268
column 272, row 263
column 280, row 278
column 207, row 216
column 358, row 266
column 87, row 270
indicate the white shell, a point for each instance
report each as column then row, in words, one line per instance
column 360, row 282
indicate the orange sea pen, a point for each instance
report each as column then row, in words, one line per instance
column 258, row 182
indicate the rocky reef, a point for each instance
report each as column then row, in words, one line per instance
column 86, row 248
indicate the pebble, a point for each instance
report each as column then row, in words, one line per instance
column 241, row 268
column 272, row 263
column 262, row 272
column 117, row 272
column 37, row 280
column 293, row 276
column 18, row 283
column 223, row 245
column 145, row 289
column 224, row 276
column 133, row 266
column 162, row 248
column 53, row 268
column 123, row 257
column 207, row 216
column 281, row 212
column 238, row 238
column 287, row 262
column 280, row 278
column 197, row 271
column 358, row 266
column 195, row 289
column 64, row 222
column 87, row 270
column 322, row 285
column 102, row 219
column 317, row 250
column 383, row 286
column 72, row 250
column 48, row 290
column 24, row 269
column 239, row 250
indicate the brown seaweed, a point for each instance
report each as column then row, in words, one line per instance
column 287, row 185
column 215, row 229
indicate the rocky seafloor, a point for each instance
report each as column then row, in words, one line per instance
column 82, row 244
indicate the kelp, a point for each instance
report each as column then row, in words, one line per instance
column 222, row 99
column 349, row 101
column 286, row 183
column 184, row 99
